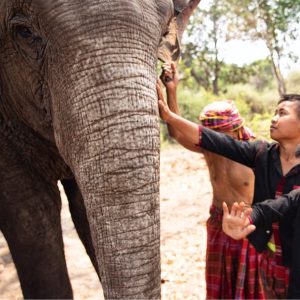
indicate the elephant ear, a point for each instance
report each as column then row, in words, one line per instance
column 169, row 48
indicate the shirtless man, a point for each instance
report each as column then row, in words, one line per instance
column 231, row 182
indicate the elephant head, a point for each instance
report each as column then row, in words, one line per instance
column 77, row 98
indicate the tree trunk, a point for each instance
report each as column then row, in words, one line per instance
column 281, row 87
column 216, row 59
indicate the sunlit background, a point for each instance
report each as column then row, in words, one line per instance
column 243, row 50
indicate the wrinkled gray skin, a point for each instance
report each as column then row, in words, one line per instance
column 78, row 104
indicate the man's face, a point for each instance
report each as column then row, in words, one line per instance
column 285, row 124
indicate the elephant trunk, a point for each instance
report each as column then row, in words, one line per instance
column 107, row 131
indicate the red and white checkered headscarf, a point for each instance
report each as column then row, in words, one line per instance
column 224, row 115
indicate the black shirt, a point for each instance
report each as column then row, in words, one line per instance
column 263, row 158
column 269, row 211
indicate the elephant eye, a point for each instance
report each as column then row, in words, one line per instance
column 28, row 42
column 24, row 34
column 23, row 31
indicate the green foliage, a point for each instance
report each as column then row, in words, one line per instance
column 265, row 19
column 250, row 101
column 260, row 125
column 202, row 47
column 293, row 83
column 253, row 87
column 255, row 107
column 191, row 103
column 273, row 21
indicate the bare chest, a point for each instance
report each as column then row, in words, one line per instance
column 230, row 181
column 223, row 169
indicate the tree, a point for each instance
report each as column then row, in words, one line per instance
column 274, row 22
column 201, row 52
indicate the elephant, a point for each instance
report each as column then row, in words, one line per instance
column 78, row 104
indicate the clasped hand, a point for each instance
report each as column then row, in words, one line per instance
column 169, row 78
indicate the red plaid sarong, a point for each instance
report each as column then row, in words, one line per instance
column 232, row 267
column 249, row 284
column 222, row 258
column 275, row 276
column 262, row 276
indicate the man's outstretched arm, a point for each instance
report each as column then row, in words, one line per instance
column 272, row 210
column 169, row 78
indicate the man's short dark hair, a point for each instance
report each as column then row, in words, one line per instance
column 291, row 97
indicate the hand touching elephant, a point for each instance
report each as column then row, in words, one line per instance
column 78, row 104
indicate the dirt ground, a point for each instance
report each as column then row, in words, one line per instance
column 185, row 200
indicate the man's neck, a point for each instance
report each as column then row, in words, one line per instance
column 289, row 150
